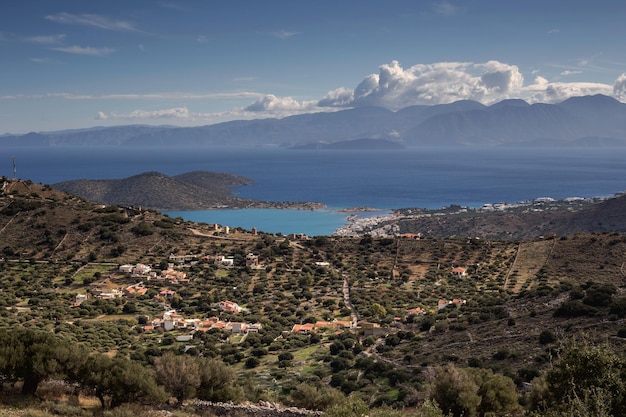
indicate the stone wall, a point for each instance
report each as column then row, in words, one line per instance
column 262, row 409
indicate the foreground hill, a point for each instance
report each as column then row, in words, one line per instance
column 199, row 190
column 580, row 121
column 371, row 318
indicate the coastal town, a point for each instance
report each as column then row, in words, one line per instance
column 390, row 224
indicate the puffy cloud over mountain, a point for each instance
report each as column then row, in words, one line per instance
column 619, row 89
column 395, row 87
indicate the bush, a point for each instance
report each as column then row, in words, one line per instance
column 575, row 308
column 143, row 229
column 252, row 362
column 618, row 307
column 546, row 337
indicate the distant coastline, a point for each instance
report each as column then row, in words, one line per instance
column 425, row 178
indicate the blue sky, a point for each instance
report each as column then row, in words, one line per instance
column 68, row 64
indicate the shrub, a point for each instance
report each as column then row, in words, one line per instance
column 546, row 337
column 252, row 362
column 142, row 229
column 575, row 308
column 618, row 307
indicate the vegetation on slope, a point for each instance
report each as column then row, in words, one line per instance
column 495, row 342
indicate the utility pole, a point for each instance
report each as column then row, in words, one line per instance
column 14, row 168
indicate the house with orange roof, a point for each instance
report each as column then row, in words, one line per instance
column 444, row 303
column 459, row 271
column 230, row 307
column 135, row 289
column 167, row 293
column 303, row 328
column 414, row 311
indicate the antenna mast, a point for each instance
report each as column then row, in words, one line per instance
column 14, row 167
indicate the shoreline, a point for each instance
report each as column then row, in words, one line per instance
column 359, row 221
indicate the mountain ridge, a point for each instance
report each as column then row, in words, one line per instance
column 462, row 123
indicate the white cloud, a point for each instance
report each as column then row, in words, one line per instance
column 84, row 50
column 284, row 34
column 175, row 113
column 557, row 92
column 568, row 72
column 132, row 96
column 619, row 88
column 394, row 87
column 268, row 106
column 270, row 102
column 92, row 20
column 40, row 60
column 45, row 39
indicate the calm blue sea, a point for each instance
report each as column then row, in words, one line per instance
column 426, row 178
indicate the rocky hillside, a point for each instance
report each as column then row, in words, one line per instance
column 191, row 191
column 529, row 222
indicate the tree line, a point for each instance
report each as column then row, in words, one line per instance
column 31, row 356
column 585, row 380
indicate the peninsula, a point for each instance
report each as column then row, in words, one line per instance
column 198, row 190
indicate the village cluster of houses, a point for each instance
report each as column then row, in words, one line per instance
column 171, row 275
column 171, row 320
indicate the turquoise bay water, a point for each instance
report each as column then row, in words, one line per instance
column 309, row 222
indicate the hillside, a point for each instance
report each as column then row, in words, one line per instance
column 579, row 121
column 197, row 190
column 529, row 221
column 376, row 321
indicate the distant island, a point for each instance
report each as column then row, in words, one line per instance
column 355, row 144
column 198, row 190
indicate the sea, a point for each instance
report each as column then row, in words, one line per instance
column 343, row 180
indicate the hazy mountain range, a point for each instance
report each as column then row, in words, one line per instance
column 579, row 121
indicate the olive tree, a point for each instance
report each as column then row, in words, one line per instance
column 179, row 374
column 586, row 379
column 30, row 356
